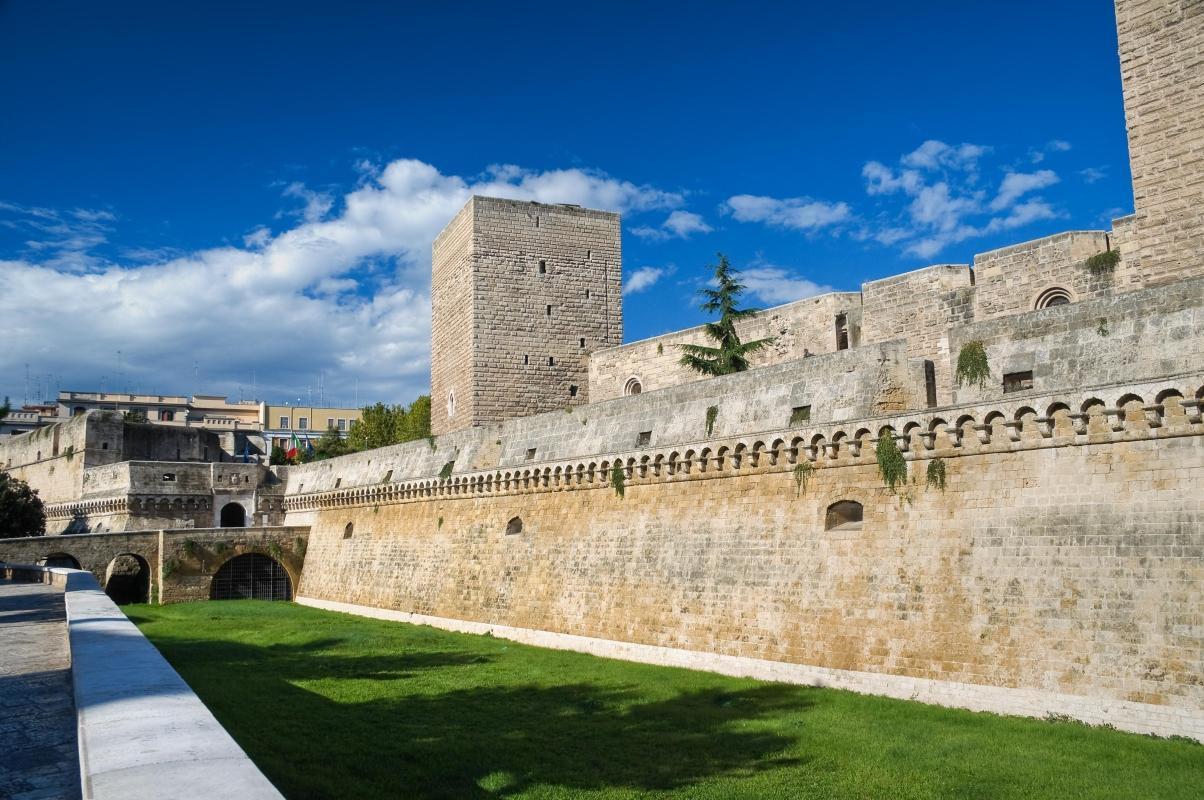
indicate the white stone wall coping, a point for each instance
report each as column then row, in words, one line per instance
column 142, row 731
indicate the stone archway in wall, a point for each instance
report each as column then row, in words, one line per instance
column 60, row 560
column 251, row 576
column 127, row 579
column 232, row 515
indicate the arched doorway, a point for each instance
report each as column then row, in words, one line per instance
column 233, row 515
column 251, row 576
column 127, row 579
column 60, row 560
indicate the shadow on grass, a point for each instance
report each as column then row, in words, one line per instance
column 434, row 739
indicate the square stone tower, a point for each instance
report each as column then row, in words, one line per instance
column 521, row 294
column 1162, row 67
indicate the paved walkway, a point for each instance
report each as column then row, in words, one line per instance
column 38, row 755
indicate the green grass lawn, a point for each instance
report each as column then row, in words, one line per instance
column 335, row 706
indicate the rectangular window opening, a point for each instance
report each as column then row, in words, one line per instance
column 338, row 482
column 543, row 268
column 530, row 453
column 388, row 476
column 551, row 361
column 169, row 477
column 643, row 439
column 842, row 332
column 1018, row 381
column 284, row 423
column 329, row 422
column 587, row 294
column 800, row 414
column 303, row 423
column 572, row 391
column 549, row 311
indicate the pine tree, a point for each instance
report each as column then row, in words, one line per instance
column 730, row 355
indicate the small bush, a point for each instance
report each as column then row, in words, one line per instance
column 1103, row 263
column 191, row 548
column 439, row 526
column 972, row 366
column 1102, row 327
column 936, row 474
column 300, row 546
column 170, row 567
column 712, row 415
column 446, row 472
column 275, row 550
column 660, row 349
column 618, row 478
column 891, row 464
column 431, row 441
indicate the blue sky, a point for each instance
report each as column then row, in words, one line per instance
column 238, row 196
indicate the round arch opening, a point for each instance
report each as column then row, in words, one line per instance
column 1053, row 297
column 633, row 387
column 251, row 576
column 232, row 515
column 60, row 560
column 127, row 579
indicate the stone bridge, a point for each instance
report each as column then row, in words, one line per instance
column 177, row 565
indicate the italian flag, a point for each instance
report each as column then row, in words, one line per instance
column 291, row 452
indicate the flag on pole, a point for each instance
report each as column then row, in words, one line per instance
column 291, row 452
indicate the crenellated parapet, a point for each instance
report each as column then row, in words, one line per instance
column 1091, row 416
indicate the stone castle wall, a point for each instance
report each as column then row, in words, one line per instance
column 545, row 283
column 803, row 326
column 1064, row 557
column 1162, row 66
column 1137, row 335
column 838, row 386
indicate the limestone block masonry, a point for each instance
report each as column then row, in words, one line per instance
column 1162, row 66
column 522, row 293
column 1060, row 569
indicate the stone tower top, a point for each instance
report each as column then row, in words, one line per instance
column 521, row 294
column 1162, row 67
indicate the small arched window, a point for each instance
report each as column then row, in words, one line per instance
column 348, row 530
column 515, row 525
column 632, row 387
column 451, row 403
column 844, row 515
column 1057, row 296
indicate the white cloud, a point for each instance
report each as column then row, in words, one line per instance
column 933, row 154
column 344, row 290
column 1093, row 174
column 946, row 200
column 317, row 204
column 776, row 285
column 642, row 279
column 798, row 213
column 1016, row 184
column 679, row 224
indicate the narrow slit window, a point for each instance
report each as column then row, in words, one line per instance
column 526, row 359
column 543, row 268
column 549, row 311
column 587, row 294
column 551, row 361
column 581, row 342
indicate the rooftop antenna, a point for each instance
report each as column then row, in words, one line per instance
column 26, row 383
